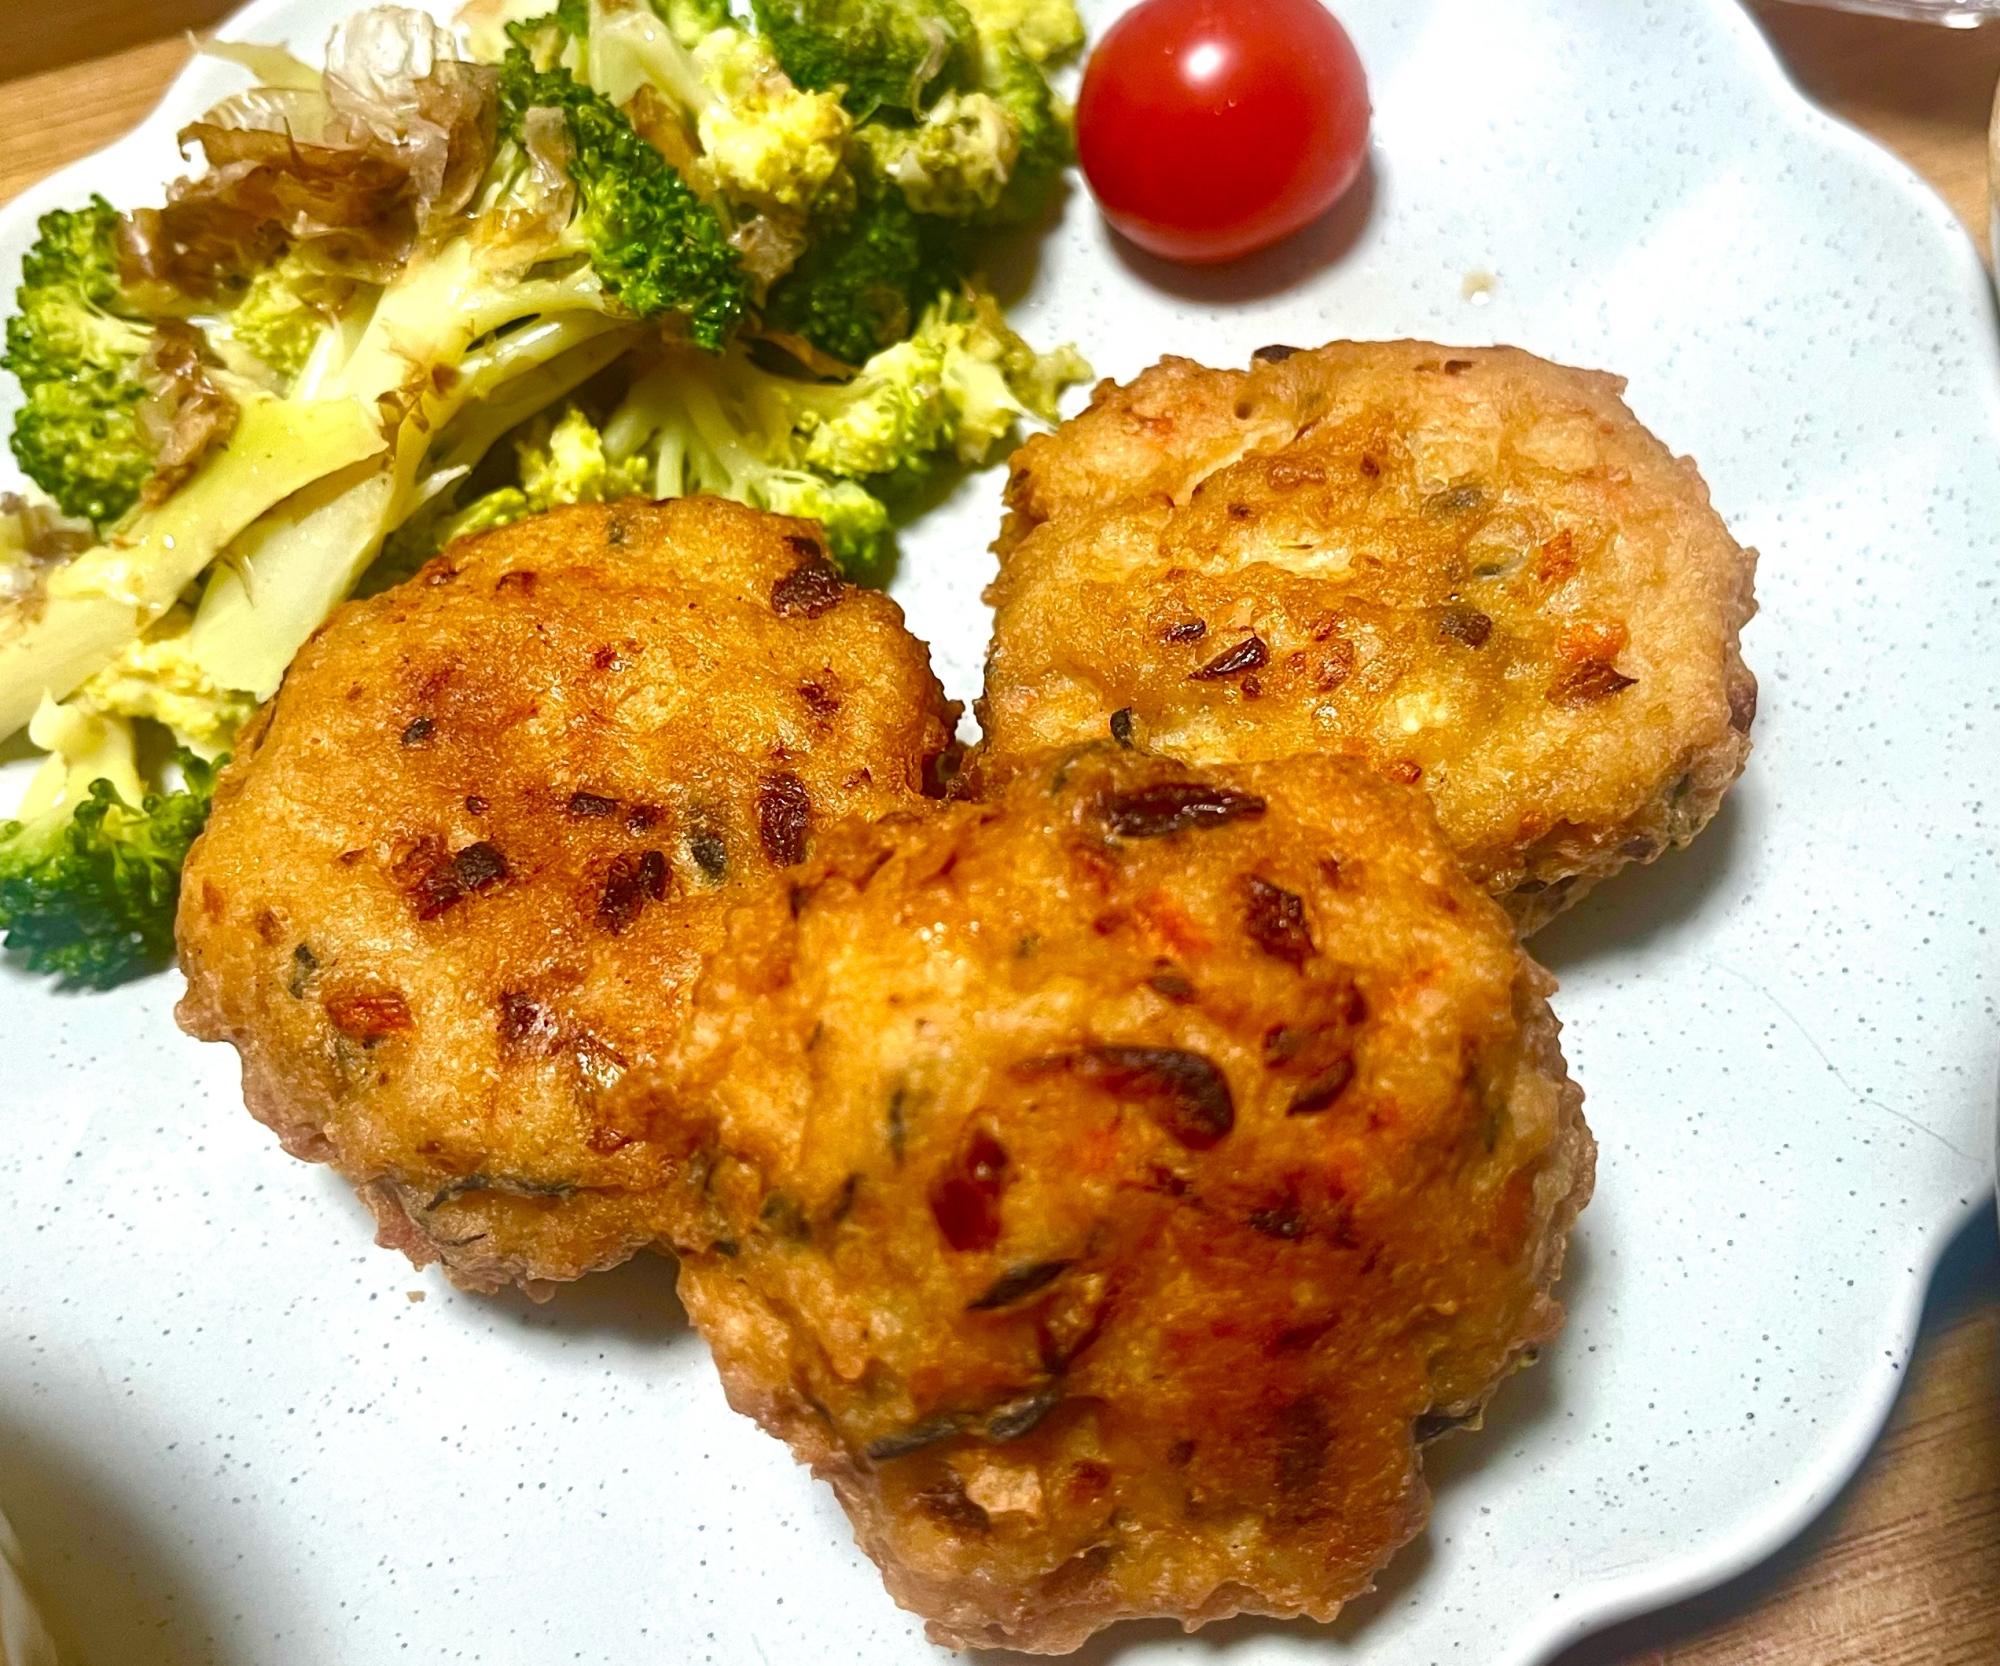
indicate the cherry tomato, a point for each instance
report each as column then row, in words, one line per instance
column 1209, row 128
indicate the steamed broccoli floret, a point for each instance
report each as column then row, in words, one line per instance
column 1037, row 380
column 766, row 141
column 88, row 881
column 285, row 311
column 897, row 53
column 958, row 384
column 699, row 424
column 561, row 460
column 725, row 425
column 871, row 265
column 654, row 243
column 564, row 462
column 991, row 155
column 690, row 20
column 157, row 678
column 733, row 122
column 856, row 521
column 77, row 345
column 1047, row 30
column 685, row 429
column 956, row 162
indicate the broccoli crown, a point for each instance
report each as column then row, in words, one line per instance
column 1047, row 30
column 560, row 459
column 878, row 52
column 858, row 529
column 956, row 162
column 871, row 265
column 76, row 351
column 827, row 450
column 655, row 244
column 767, row 143
column 958, row 384
column 990, row 157
column 284, row 311
column 689, row 20
column 88, row 892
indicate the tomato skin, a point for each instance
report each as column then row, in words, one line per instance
column 1211, row 128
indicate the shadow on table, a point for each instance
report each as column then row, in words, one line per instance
column 1969, row 1269
column 1884, row 66
column 113, row 1589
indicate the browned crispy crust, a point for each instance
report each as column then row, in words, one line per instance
column 1468, row 565
column 1109, row 1187
column 465, row 866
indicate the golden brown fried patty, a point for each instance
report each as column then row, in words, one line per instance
column 467, row 863
column 1468, row 565
column 1109, row 1187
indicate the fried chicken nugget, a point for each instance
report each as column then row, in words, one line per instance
column 1469, row 565
column 1109, row 1188
column 466, row 865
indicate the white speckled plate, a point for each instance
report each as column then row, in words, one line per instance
column 227, row 1436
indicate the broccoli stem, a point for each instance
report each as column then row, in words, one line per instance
column 478, row 425
column 82, row 747
column 108, row 595
column 262, row 605
column 283, row 576
column 440, row 305
column 630, row 47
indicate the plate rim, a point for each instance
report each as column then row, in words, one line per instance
column 1803, row 1500
column 1549, row 1627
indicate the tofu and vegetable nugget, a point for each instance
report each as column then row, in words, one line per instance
column 466, row 865
column 1110, row 1187
column 1468, row 565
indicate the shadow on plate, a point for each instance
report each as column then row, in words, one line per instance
column 1631, row 909
column 114, row 1591
column 1008, row 260
column 635, row 1301
column 1270, row 271
column 1517, row 1415
column 1516, row 1420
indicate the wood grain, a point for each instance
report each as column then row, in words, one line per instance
column 50, row 120
column 1904, row 1570
column 40, row 36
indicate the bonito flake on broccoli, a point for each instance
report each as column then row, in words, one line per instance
column 117, row 405
column 613, row 248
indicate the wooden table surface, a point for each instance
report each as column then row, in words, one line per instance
column 1904, row 1570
